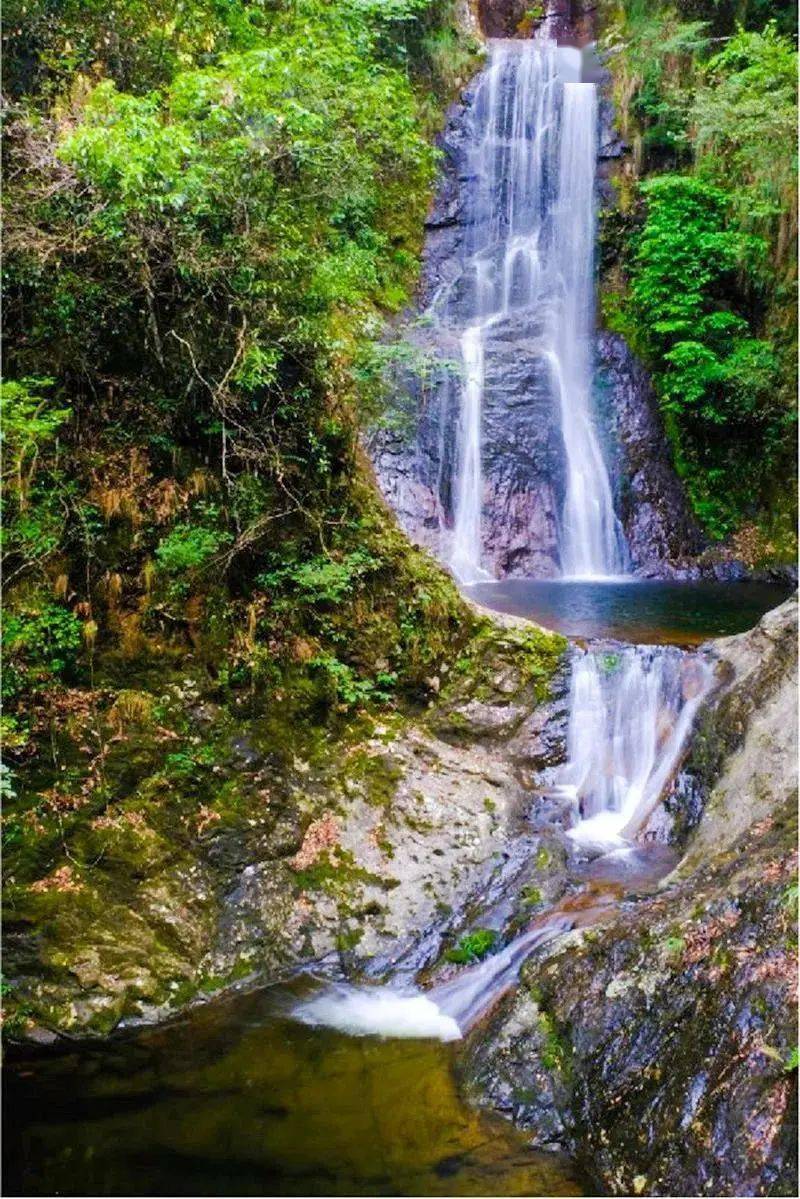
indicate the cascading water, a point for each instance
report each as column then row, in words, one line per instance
column 530, row 257
column 445, row 1012
column 529, row 254
column 631, row 710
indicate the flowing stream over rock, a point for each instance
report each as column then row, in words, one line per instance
column 631, row 710
column 527, row 280
column 528, row 265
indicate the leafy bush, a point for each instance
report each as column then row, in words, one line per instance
column 321, row 580
column 32, row 501
column 346, row 688
column 202, row 259
column 472, row 946
column 40, row 646
column 189, row 547
column 706, row 286
column 711, row 374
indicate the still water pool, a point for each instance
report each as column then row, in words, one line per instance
column 643, row 612
column 237, row 1099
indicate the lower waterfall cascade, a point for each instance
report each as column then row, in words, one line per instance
column 631, row 709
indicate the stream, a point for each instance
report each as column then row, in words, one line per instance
column 332, row 1088
column 238, row 1099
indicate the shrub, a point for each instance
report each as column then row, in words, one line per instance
column 472, row 946
column 40, row 646
column 189, row 547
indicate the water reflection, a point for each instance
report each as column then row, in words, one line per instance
column 236, row 1100
column 643, row 612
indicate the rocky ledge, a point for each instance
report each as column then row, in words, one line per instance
column 236, row 849
column 660, row 1045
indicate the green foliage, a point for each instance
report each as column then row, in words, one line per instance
column 7, row 791
column 32, row 503
column 140, row 43
column 745, row 118
column 189, row 547
column 345, row 688
column 320, row 580
column 199, row 264
column 472, row 947
column 40, row 646
column 712, row 375
column 28, row 423
column 704, row 253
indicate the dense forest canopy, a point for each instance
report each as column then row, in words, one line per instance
column 211, row 208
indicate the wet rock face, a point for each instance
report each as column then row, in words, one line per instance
column 360, row 849
column 564, row 18
column 523, row 457
column 659, row 1047
column 653, row 506
column 745, row 746
column 500, row 18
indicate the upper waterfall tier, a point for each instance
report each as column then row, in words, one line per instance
column 529, row 261
column 523, row 435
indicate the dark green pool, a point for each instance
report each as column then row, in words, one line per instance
column 643, row 612
column 237, row 1100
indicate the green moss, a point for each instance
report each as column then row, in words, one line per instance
column 349, row 940
column 674, row 945
column 336, row 873
column 379, row 773
column 556, row 1051
column 530, row 654
column 472, row 946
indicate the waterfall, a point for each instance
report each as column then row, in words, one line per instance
column 631, row 710
column 529, row 254
column 529, row 258
column 465, row 555
column 444, row 1012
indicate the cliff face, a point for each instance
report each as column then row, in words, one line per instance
column 661, row 1047
column 659, row 528
column 523, row 453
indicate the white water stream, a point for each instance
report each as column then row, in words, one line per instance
column 531, row 254
column 631, row 707
column 631, row 710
